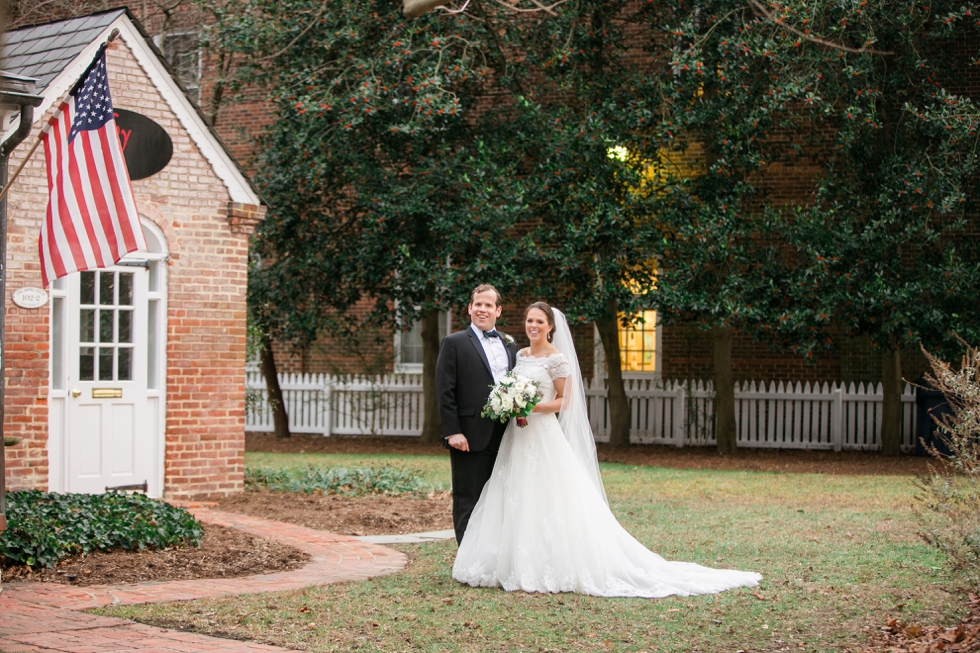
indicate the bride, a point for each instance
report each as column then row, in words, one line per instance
column 543, row 523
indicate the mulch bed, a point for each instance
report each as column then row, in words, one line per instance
column 224, row 553
column 900, row 637
column 753, row 460
column 374, row 515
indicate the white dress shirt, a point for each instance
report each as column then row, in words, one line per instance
column 496, row 353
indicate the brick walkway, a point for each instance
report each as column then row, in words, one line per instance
column 38, row 617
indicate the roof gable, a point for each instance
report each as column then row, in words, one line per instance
column 45, row 49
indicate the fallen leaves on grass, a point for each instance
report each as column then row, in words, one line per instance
column 900, row 637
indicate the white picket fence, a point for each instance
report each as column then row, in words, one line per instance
column 680, row 413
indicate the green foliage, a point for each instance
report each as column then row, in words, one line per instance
column 949, row 497
column 581, row 126
column 45, row 527
column 354, row 481
column 729, row 106
column 379, row 180
column 879, row 251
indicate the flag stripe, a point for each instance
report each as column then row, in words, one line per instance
column 95, row 198
column 77, row 195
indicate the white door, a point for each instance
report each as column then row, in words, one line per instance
column 110, row 439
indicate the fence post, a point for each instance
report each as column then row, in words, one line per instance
column 328, row 405
column 837, row 423
column 680, row 414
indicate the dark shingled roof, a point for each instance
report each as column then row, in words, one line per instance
column 43, row 51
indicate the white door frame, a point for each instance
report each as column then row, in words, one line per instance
column 60, row 356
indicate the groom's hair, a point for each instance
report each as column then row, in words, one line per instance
column 484, row 287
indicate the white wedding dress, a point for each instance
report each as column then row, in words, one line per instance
column 543, row 525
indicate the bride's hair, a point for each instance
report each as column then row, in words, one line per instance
column 548, row 313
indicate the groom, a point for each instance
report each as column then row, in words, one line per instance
column 470, row 363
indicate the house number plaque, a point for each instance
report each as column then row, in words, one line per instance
column 30, row 297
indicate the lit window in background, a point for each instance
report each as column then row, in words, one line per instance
column 638, row 344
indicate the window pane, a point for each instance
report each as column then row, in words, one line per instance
column 86, row 319
column 183, row 53
column 105, row 325
column 638, row 344
column 107, row 282
column 88, row 287
column 410, row 349
column 412, row 345
column 151, row 346
column 154, row 276
column 86, row 363
column 125, row 326
column 125, row 364
column 105, row 363
column 57, row 343
column 125, row 288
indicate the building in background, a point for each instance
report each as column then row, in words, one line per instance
column 134, row 374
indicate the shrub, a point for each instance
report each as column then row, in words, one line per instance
column 350, row 482
column 949, row 508
column 44, row 527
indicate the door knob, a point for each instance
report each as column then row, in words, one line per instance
column 76, row 393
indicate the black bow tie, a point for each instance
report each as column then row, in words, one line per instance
column 491, row 334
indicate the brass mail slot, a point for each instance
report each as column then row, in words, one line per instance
column 106, row 393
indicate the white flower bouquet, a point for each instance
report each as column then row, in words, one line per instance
column 515, row 396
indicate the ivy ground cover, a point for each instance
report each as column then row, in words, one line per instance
column 840, row 555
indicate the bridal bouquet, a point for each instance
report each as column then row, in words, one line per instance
column 514, row 396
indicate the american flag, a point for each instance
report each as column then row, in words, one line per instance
column 92, row 220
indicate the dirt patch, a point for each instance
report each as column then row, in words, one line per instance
column 347, row 515
column 753, row 460
column 224, row 553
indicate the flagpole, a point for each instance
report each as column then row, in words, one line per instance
column 6, row 188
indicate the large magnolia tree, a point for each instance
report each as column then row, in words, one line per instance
column 886, row 248
column 380, row 182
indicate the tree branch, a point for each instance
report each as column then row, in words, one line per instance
column 323, row 7
column 759, row 8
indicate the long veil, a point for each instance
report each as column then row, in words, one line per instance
column 574, row 416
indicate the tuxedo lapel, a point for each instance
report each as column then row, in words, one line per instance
column 479, row 349
column 511, row 355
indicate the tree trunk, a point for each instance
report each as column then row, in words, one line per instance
column 431, row 429
column 280, row 419
column 891, row 405
column 725, row 432
column 619, row 406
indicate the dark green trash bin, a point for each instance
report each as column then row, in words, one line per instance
column 931, row 404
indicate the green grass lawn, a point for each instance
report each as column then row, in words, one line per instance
column 838, row 553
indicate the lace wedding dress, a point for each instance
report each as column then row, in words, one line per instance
column 543, row 525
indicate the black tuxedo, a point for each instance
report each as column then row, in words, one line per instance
column 463, row 383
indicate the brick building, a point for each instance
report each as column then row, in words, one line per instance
column 135, row 373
